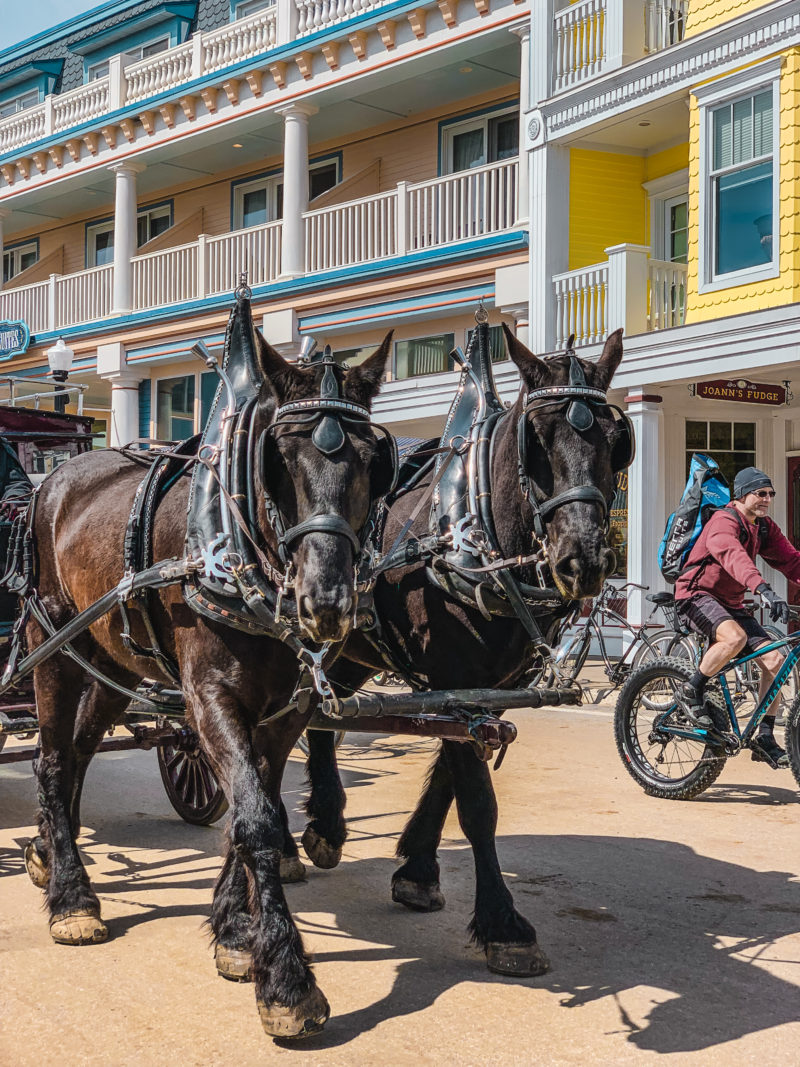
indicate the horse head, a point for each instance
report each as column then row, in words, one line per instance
column 571, row 446
column 322, row 467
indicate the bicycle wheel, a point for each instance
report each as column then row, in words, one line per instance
column 666, row 766
column 659, row 646
column 569, row 660
column 748, row 678
column 792, row 740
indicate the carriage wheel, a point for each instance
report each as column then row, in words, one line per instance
column 191, row 784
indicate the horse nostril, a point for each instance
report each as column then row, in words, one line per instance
column 305, row 608
column 609, row 561
column 569, row 567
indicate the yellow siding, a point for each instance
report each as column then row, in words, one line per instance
column 666, row 162
column 607, row 204
column 773, row 292
column 703, row 14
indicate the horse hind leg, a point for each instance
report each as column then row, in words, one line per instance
column 507, row 937
column 73, row 905
column 416, row 883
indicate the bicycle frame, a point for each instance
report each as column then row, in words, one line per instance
column 745, row 735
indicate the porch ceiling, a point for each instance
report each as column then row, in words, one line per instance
column 644, row 130
column 401, row 90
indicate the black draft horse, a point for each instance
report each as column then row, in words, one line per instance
column 454, row 647
column 232, row 681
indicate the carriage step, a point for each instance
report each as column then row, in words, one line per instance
column 17, row 724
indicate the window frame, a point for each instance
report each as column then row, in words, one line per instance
column 145, row 212
column 197, row 404
column 36, row 98
column 106, row 225
column 260, row 5
column 422, row 337
column 17, row 250
column 450, row 128
column 727, row 91
column 271, row 179
column 94, row 71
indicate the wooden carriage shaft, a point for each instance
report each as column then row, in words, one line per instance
column 443, row 701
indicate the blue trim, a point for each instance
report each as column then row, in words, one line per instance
column 71, row 26
column 286, row 51
column 145, row 406
column 21, row 244
column 515, row 241
column 167, row 14
column 23, row 338
column 444, row 123
column 265, row 175
column 402, row 310
column 41, row 74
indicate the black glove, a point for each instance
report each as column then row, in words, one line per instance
column 778, row 607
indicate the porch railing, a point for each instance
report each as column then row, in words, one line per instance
column 581, row 304
column 256, row 250
column 29, row 304
column 459, row 206
column 168, row 277
column 665, row 23
column 351, row 233
column 667, row 297
column 83, row 297
column 579, row 46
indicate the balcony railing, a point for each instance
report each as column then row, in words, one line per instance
column 409, row 218
column 594, row 36
column 629, row 290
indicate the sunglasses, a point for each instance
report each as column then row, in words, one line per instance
column 764, row 494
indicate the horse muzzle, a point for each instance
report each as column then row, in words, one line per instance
column 579, row 573
column 327, row 617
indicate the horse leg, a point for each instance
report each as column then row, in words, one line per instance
column 289, row 1002
column 507, row 937
column 416, row 883
column 292, row 869
column 72, row 903
column 326, row 833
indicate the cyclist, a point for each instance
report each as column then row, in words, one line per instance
column 709, row 595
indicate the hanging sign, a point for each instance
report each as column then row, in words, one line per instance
column 741, row 391
column 14, row 339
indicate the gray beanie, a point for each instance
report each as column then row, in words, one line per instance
column 749, row 480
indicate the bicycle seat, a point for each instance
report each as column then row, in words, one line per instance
column 660, row 598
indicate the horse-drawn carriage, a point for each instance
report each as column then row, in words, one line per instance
column 265, row 572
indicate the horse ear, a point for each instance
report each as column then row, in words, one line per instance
column 275, row 369
column 611, row 357
column 528, row 364
column 364, row 381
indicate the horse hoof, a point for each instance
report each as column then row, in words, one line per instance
column 80, row 927
column 417, row 895
column 304, row 1019
column 524, row 960
column 35, row 864
column 292, row 870
column 319, row 851
column 233, row 963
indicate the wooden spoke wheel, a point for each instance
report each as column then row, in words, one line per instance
column 191, row 784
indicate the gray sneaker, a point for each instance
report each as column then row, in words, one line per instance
column 693, row 705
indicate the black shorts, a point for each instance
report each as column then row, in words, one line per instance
column 703, row 613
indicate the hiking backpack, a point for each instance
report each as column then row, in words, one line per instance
column 706, row 491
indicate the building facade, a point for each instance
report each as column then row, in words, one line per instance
column 575, row 167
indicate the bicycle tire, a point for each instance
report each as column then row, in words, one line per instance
column 792, row 738
column 697, row 764
column 571, row 663
column 658, row 648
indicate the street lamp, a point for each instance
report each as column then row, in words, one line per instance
column 60, row 357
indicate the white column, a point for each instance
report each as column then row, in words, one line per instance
column 112, row 367
column 646, row 515
column 295, row 187
column 626, row 304
column 124, row 234
column 624, row 33
column 4, row 214
column 541, row 57
column 549, row 237
column 523, row 192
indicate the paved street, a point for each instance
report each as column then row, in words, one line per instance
column 673, row 929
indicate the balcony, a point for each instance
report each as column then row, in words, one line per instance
column 411, row 218
column 630, row 290
column 593, row 37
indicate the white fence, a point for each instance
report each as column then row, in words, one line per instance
column 581, row 302
column 168, row 277
column 351, row 233
column 667, row 297
column 83, row 297
column 665, row 23
column 461, row 206
column 159, row 72
column 29, row 304
column 256, row 250
column 313, row 15
column 579, row 46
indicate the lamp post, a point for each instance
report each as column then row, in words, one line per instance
column 60, row 357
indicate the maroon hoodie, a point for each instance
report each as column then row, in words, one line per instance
column 725, row 566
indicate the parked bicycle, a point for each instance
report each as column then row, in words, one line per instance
column 643, row 643
column 671, row 758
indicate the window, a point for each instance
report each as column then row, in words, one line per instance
column 497, row 343
column 739, row 161
column 178, row 413
column 18, row 258
column 422, row 355
column 19, row 103
column 731, row 444
column 131, row 55
column 676, row 229
column 479, row 140
column 150, row 222
column 260, row 200
column 250, row 7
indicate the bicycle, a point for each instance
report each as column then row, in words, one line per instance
column 671, row 758
column 571, row 654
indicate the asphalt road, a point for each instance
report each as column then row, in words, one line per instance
column 673, row 928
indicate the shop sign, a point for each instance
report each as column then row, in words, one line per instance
column 741, row 391
column 14, row 339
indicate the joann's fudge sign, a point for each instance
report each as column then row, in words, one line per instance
column 14, row 339
column 742, row 391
